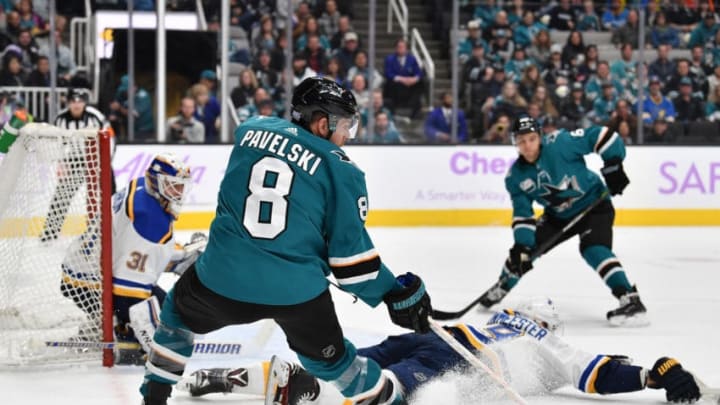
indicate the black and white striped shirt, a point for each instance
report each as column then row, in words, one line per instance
column 91, row 118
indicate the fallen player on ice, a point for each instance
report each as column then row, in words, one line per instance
column 516, row 344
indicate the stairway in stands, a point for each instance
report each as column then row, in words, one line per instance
column 385, row 45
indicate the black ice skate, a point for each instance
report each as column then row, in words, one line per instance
column 290, row 384
column 631, row 312
column 493, row 295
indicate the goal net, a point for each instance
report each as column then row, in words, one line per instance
column 54, row 197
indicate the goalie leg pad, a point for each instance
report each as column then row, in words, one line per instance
column 144, row 319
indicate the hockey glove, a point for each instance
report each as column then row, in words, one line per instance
column 615, row 176
column 520, row 262
column 409, row 307
column 679, row 385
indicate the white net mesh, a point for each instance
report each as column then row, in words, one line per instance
column 50, row 230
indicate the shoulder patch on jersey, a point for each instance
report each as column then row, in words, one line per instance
column 527, row 185
column 291, row 130
column 343, row 157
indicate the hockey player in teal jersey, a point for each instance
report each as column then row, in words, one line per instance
column 551, row 171
column 291, row 211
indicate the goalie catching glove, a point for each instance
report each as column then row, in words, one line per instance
column 190, row 253
column 409, row 306
column 679, row 385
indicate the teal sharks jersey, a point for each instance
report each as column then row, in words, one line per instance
column 291, row 211
column 559, row 180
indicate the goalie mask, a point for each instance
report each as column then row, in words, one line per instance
column 168, row 180
column 542, row 310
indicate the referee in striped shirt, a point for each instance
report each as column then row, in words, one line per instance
column 77, row 115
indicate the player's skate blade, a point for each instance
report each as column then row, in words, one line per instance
column 633, row 321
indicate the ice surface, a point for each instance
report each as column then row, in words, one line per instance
column 677, row 271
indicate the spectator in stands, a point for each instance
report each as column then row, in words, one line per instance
column 466, row 46
column 266, row 37
column 530, row 81
column 509, row 102
column 29, row 51
column 361, row 67
column 500, row 22
column 625, row 68
column 266, row 76
column 329, row 20
column 573, row 47
column 563, row 17
column 615, row 16
column 527, row 29
column 184, row 127
column 604, row 105
column 588, row 67
column 515, row 67
column 334, row 71
column 660, row 132
column 656, row 105
column 245, row 90
column 705, row 30
column 588, row 20
column 336, row 41
column 30, row 20
column 439, row 121
column 501, row 46
column 311, row 28
column 662, row 33
column 593, row 87
column 209, row 79
column 662, row 67
column 12, row 25
column 144, row 124
column 266, row 108
column 485, row 11
column 384, row 132
column 302, row 12
column 574, row 109
column 403, row 77
column 474, row 68
column 66, row 68
column 712, row 50
column 516, row 12
column 541, row 98
column 624, row 121
column 499, row 131
column 360, row 90
column 712, row 107
column 688, row 108
column 40, row 76
column 699, row 64
column 12, row 73
column 252, row 108
column 277, row 55
column 346, row 54
column 534, row 112
column 315, row 54
column 378, row 105
column 554, row 66
column 682, row 17
column 682, row 71
column 713, row 81
column 207, row 111
column 629, row 32
column 540, row 49
column 301, row 70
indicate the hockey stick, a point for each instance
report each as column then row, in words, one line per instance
column 224, row 348
column 539, row 251
column 474, row 361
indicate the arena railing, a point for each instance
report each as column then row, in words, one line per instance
column 37, row 99
column 399, row 10
column 418, row 48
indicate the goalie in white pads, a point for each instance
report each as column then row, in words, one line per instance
column 526, row 334
column 143, row 248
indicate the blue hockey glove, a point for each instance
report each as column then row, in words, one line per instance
column 679, row 385
column 409, row 307
column 520, row 262
column 615, row 177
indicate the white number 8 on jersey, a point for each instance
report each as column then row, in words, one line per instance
column 266, row 206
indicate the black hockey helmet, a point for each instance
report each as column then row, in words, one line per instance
column 525, row 125
column 316, row 94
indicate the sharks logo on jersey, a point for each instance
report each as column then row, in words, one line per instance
column 562, row 195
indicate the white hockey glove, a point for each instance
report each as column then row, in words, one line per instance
column 191, row 251
column 143, row 316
